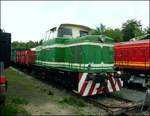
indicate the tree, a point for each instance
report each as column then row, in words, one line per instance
column 114, row 33
column 99, row 30
column 17, row 44
column 40, row 42
column 29, row 44
column 147, row 30
column 130, row 29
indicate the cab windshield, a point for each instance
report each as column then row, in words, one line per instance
column 64, row 32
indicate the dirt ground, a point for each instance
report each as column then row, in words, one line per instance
column 45, row 99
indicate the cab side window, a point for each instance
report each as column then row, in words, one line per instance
column 83, row 33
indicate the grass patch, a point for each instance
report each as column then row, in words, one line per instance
column 11, row 74
column 8, row 110
column 12, row 110
column 13, row 107
column 19, row 100
column 72, row 100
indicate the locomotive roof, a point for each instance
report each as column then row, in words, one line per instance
column 69, row 24
column 77, row 25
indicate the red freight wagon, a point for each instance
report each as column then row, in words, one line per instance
column 17, row 56
column 133, row 55
column 29, row 57
column 132, row 59
column 21, row 57
column 25, row 57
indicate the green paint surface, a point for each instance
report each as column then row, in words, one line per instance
column 75, row 57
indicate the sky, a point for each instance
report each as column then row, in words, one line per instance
column 29, row 20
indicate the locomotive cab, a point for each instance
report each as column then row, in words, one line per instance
column 67, row 31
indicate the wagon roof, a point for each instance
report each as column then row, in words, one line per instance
column 146, row 36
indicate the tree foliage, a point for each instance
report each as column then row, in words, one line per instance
column 147, row 30
column 131, row 28
column 99, row 30
column 29, row 44
column 113, row 33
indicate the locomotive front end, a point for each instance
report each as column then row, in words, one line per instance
column 99, row 76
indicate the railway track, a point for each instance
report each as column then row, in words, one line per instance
column 114, row 105
column 119, row 105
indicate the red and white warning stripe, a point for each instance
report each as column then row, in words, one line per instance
column 87, row 88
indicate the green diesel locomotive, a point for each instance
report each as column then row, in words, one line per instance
column 71, row 56
column 80, row 60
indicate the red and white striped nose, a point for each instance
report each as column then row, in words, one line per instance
column 89, row 87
